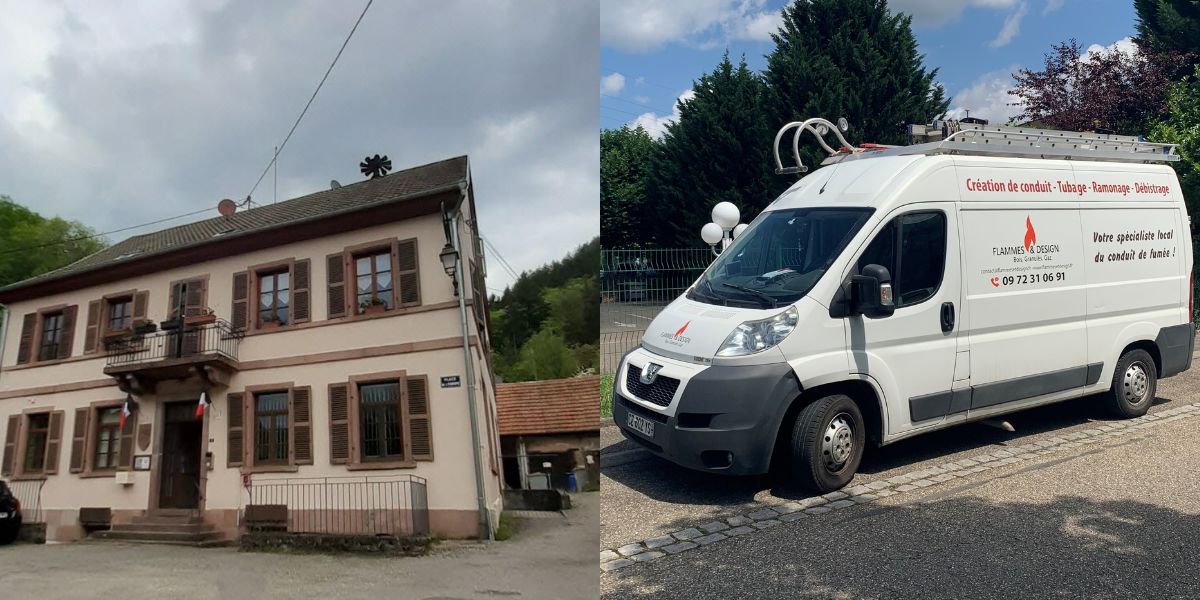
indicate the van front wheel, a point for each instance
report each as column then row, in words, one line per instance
column 827, row 443
column 1134, row 384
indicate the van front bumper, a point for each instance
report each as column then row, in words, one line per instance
column 723, row 419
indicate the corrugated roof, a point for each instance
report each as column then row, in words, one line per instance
column 408, row 183
column 551, row 406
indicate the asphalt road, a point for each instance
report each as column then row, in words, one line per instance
column 549, row 557
column 1114, row 519
column 628, row 316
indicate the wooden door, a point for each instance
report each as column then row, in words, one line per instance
column 180, row 468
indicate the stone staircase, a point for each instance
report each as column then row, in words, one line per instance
column 175, row 527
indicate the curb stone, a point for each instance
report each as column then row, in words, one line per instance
column 767, row 517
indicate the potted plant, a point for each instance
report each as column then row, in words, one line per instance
column 269, row 321
column 206, row 317
column 372, row 305
column 144, row 327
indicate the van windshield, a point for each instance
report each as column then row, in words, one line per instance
column 779, row 257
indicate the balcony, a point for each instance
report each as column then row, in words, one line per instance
column 208, row 350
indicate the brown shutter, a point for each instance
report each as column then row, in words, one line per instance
column 68, row 334
column 241, row 304
column 300, row 303
column 93, row 327
column 419, row 430
column 302, row 425
column 78, row 450
column 335, row 273
column 28, row 327
column 173, row 307
column 125, row 450
column 408, row 280
column 339, row 423
column 195, row 298
column 235, row 442
column 141, row 301
column 10, row 445
column 54, row 442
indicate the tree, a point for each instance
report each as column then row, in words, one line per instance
column 31, row 244
column 1182, row 126
column 718, row 150
column 1165, row 26
column 1107, row 90
column 853, row 59
column 624, row 159
column 544, row 356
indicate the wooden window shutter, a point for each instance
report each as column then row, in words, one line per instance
column 10, row 445
column 408, row 280
column 240, row 315
column 92, row 333
column 141, row 301
column 195, row 298
column 54, row 442
column 28, row 328
column 302, row 425
column 173, row 307
column 419, row 429
column 68, row 334
column 125, row 450
column 335, row 273
column 300, row 300
column 339, row 423
column 78, row 440
column 235, row 439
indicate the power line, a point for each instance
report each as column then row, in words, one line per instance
column 504, row 263
column 310, row 99
column 96, row 235
column 638, row 104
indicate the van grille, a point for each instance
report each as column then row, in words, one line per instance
column 659, row 393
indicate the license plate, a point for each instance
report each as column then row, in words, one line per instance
column 640, row 424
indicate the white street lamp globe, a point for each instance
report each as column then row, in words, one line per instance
column 711, row 234
column 726, row 215
column 739, row 229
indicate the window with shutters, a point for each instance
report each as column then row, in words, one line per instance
column 380, row 416
column 107, row 439
column 52, row 335
column 119, row 314
column 372, row 277
column 373, row 280
column 380, row 421
column 37, row 436
column 274, row 297
column 271, row 428
column 272, row 423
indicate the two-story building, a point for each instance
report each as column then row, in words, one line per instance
column 307, row 358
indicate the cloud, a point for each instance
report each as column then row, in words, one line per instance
column 642, row 99
column 612, row 84
column 1124, row 45
column 1011, row 27
column 656, row 125
column 934, row 13
column 987, row 98
column 1052, row 5
column 121, row 114
column 646, row 25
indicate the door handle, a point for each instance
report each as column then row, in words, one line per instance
column 947, row 316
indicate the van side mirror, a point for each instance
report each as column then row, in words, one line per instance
column 871, row 292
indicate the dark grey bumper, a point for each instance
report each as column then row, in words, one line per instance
column 725, row 422
column 1175, row 347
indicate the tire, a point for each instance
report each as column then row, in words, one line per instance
column 1134, row 384
column 827, row 443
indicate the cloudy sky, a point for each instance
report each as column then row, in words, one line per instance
column 122, row 113
column 654, row 49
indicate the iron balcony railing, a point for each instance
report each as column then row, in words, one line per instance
column 218, row 338
column 363, row 505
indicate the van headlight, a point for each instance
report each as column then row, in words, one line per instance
column 756, row 336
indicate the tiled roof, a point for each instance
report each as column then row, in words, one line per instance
column 552, row 406
column 408, row 183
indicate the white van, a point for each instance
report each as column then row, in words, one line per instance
column 907, row 289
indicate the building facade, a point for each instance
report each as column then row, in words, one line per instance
column 305, row 357
column 550, row 433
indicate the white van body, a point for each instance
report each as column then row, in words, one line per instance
column 1053, row 269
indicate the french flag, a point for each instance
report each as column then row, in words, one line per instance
column 202, row 406
column 126, row 410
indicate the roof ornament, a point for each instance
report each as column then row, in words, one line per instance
column 375, row 166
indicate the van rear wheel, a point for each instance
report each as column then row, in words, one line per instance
column 1134, row 383
column 827, row 443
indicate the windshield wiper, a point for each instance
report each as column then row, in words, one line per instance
column 711, row 293
column 767, row 297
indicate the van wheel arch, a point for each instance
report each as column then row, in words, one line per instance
column 861, row 391
column 1150, row 347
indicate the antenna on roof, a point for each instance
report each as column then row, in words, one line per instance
column 333, row 184
column 226, row 207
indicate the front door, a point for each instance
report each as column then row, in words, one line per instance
column 180, row 468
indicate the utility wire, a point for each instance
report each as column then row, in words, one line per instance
column 96, row 235
column 310, row 99
column 504, row 263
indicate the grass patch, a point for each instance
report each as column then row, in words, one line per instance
column 505, row 528
column 606, row 396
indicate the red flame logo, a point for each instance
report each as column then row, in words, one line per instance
column 682, row 329
column 1030, row 235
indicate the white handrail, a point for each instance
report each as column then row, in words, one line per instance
column 801, row 127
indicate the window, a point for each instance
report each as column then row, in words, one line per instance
column 274, row 296
column 35, row 442
column 120, row 314
column 108, row 438
column 379, row 414
column 271, row 428
column 919, row 240
column 373, row 275
column 52, row 336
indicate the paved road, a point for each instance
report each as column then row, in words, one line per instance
column 548, row 558
column 628, row 316
column 1102, row 510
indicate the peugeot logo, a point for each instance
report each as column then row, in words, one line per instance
column 650, row 373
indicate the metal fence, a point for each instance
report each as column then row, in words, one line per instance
column 29, row 494
column 363, row 505
column 217, row 338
